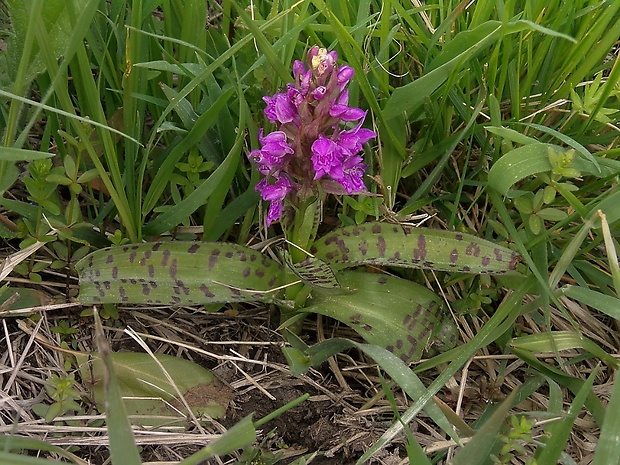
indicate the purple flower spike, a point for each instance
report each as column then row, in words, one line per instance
column 313, row 144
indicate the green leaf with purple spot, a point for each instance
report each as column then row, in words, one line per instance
column 401, row 316
column 403, row 246
column 314, row 272
column 178, row 273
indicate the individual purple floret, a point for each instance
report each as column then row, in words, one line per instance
column 314, row 148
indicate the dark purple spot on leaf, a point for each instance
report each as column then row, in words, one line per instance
column 486, row 261
column 193, row 248
column 165, row 257
column 109, row 259
column 419, row 253
column 355, row 319
column 454, row 256
column 146, row 290
column 213, row 258
column 151, row 271
column 206, row 292
column 363, row 248
column 173, row 269
column 376, row 228
column 473, row 249
column 381, row 245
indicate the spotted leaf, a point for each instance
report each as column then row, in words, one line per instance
column 405, row 318
column 409, row 247
column 177, row 273
column 314, row 272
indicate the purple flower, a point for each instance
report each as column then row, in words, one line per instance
column 326, row 158
column 353, row 173
column 345, row 73
column 340, row 109
column 271, row 156
column 275, row 194
column 352, row 140
column 280, row 108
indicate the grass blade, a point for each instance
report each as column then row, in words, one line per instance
column 608, row 447
column 123, row 448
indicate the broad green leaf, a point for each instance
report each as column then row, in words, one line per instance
column 396, row 314
column 511, row 135
column 177, row 273
column 15, row 154
column 22, row 298
column 537, row 158
column 407, row 247
column 149, row 398
column 607, row 304
column 561, row 340
column 58, row 25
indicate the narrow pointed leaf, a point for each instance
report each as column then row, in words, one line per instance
column 408, row 247
column 177, row 273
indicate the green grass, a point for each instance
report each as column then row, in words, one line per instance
column 125, row 121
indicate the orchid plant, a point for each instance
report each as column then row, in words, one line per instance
column 315, row 150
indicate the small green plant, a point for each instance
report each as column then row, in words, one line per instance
column 515, row 441
column 64, row 394
column 533, row 210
